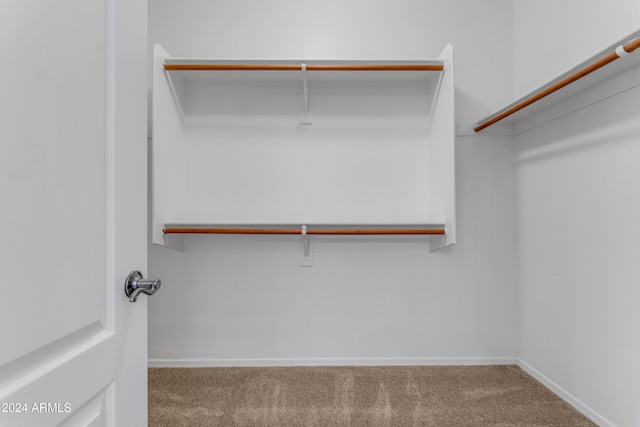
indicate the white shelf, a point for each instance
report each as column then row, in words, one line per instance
column 200, row 64
column 568, row 97
column 417, row 229
column 372, row 224
column 395, row 89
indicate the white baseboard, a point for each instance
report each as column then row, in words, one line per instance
column 565, row 395
column 403, row 361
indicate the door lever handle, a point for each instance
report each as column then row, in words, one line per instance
column 136, row 284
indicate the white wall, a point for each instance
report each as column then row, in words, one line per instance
column 578, row 219
column 578, row 227
column 246, row 300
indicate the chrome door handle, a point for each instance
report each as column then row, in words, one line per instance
column 136, row 284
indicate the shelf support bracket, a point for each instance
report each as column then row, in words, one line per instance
column 305, row 240
column 307, row 259
column 305, row 116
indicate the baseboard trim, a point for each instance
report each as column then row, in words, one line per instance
column 404, row 361
column 565, row 395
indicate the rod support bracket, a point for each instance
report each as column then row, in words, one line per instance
column 307, row 259
column 620, row 51
column 305, row 240
column 305, row 115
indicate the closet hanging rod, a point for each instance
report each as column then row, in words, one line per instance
column 619, row 52
column 298, row 67
column 420, row 231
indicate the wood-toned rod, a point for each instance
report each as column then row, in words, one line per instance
column 298, row 67
column 607, row 59
column 377, row 232
column 177, row 230
column 374, row 67
column 400, row 231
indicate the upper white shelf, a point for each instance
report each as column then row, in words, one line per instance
column 195, row 78
column 200, row 64
column 602, row 66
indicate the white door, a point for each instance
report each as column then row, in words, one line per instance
column 72, row 211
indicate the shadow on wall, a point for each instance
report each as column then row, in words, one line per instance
column 585, row 128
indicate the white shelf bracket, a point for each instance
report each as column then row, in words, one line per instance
column 307, row 259
column 305, row 116
column 305, row 240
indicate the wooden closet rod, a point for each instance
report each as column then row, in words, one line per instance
column 298, row 67
column 607, row 59
column 177, row 230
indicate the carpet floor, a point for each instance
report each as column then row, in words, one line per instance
column 355, row 396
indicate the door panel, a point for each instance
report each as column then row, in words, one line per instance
column 52, row 162
column 73, row 191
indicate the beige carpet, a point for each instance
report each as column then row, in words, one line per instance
column 354, row 396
